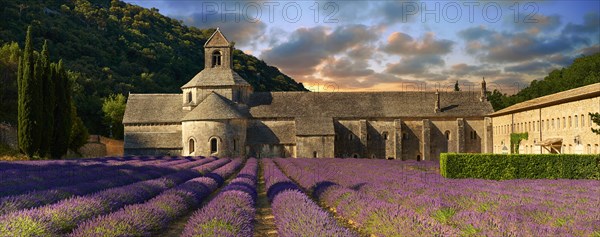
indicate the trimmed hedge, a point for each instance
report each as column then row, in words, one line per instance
column 520, row 166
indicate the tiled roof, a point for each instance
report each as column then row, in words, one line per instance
column 214, row 107
column 556, row 98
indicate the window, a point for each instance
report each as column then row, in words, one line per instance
column 213, row 145
column 447, row 134
column 192, row 146
column 234, row 145
column 418, row 157
column 542, row 126
column 552, row 123
column 589, row 149
column 355, row 155
column 582, row 120
column 315, row 154
column 570, row 122
column 350, row 137
column 564, row 122
column 189, row 97
column 385, row 135
column 216, row 58
column 576, row 123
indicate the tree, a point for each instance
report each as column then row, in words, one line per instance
column 47, row 123
column 114, row 109
column 456, row 88
column 596, row 119
column 79, row 133
column 62, row 111
column 29, row 108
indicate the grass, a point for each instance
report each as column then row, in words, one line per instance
column 9, row 154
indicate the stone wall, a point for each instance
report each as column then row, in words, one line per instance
column 315, row 146
column 8, row 135
column 230, row 135
column 555, row 121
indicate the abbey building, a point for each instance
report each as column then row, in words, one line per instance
column 219, row 114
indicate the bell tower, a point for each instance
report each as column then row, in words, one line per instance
column 217, row 76
column 218, row 52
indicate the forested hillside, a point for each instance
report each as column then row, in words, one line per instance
column 584, row 71
column 114, row 47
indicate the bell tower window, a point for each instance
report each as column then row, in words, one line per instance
column 216, row 58
column 189, row 97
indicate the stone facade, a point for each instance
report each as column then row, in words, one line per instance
column 218, row 114
column 557, row 123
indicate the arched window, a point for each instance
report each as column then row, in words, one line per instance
column 576, row 123
column 570, row 122
column 582, row 120
column 418, row 157
column 447, row 133
column 315, row 154
column 192, row 146
column 189, row 97
column 354, row 155
column 216, row 58
column 373, row 156
column 385, row 135
column 213, row 145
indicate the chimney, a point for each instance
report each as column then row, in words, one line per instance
column 437, row 102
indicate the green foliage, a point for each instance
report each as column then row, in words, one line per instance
column 596, row 119
column 48, row 101
column 515, row 141
column 9, row 64
column 110, row 45
column 63, row 119
column 456, row 88
column 520, row 166
column 29, row 113
column 584, row 71
column 114, row 109
column 79, row 133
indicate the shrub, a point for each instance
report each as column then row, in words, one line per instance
column 520, row 166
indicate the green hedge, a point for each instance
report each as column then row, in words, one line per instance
column 520, row 166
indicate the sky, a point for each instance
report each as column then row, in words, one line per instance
column 402, row 45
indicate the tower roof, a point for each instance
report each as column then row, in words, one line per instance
column 217, row 39
column 219, row 76
column 214, row 107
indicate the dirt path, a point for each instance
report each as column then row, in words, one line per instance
column 265, row 221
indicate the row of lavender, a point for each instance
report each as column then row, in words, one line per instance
column 389, row 198
column 295, row 213
column 231, row 213
column 17, row 181
column 82, row 187
column 153, row 216
column 63, row 216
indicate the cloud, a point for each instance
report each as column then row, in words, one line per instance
column 403, row 44
column 594, row 49
column 412, row 65
column 242, row 32
column 306, row 48
column 505, row 47
column 482, row 70
column 537, row 24
column 529, row 67
column 591, row 25
column 346, row 68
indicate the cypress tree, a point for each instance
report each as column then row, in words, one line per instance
column 48, row 101
column 29, row 109
column 62, row 111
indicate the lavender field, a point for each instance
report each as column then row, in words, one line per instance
column 197, row 196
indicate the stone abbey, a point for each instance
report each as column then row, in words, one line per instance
column 219, row 114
